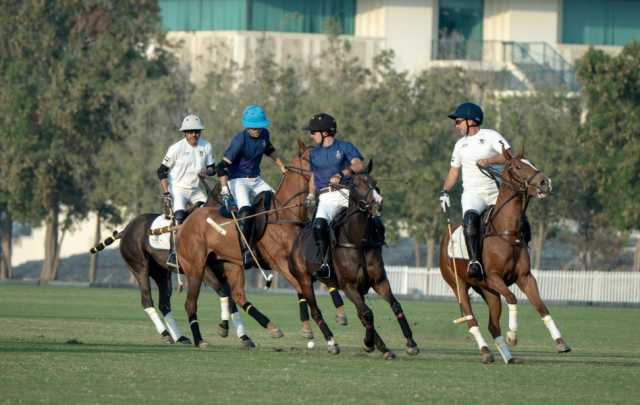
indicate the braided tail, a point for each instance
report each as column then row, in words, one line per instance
column 116, row 235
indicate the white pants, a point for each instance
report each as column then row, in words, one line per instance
column 330, row 203
column 478, row 200
column 183, row 196
column 245, row 189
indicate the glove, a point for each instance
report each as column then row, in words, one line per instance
column 227, row 199
column 310, row 200
column 444, row 201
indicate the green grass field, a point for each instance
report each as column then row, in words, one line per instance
column 80, row 345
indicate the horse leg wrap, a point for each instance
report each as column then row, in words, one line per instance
column 551, row 326
column 224, row 308
column 501, row 345
column 172, row 326
column 475, row 332
column 304, row 308
column 237, row 323
column 195, row 329
column 326, row 332
column 335, row 297
column 155, row 318
column 255, row 314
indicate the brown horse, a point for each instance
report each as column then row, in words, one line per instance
column 199, row 244
column 357, row 264
column 505, row 258
column 146, row 263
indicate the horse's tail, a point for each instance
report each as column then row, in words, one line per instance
column 115, row 236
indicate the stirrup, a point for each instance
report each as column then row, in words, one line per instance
column 171, row 260
column 324, row 271
column 472, row 269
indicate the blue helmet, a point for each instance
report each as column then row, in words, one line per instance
column 468, row 111
column 254, row 117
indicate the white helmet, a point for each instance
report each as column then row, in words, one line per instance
column 191, row 123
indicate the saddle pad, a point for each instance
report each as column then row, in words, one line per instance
column 457, row 246
column 160, row 241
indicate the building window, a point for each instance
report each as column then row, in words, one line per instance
column 600, row 22
column 459, row 29
column 335, row 16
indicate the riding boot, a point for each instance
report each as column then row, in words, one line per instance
column 246, row 225
column 172, row 261
column 525, row 229
column 472, row 237
column 321, row 238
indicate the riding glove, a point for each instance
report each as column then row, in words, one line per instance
column 444, row 200
column 227, row 199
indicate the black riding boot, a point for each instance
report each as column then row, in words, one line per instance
column 246, row 224
column 321, row 237
column 179, row 217
column 472, row 237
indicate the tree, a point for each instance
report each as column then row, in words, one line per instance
column 62, row 97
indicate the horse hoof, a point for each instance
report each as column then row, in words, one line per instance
column 222, row 331
column 515, row 360
column 333, row 349
column 512, row 338
column 366, row 348
column 248, row 344
column 341, row 320
column 276, row 333
column 562, row 346
column 307, row 333
column 487, row 356
column 166, row 338
column 203, row 345
column 389, row 355
column 184, row 340
column 412, row 350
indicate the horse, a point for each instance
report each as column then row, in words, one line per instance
column 505, row 258
column 199, row 243
column 146, row 262
column 357, row 266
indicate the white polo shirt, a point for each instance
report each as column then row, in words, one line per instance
column 469, row 149
column 186, row 161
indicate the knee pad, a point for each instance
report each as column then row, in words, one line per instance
column 266, row 199
column 180, row 216
column 471, row 223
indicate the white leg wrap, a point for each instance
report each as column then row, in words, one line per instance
column 331, row 342
column 553, row 329
column 501, row 345
column 475, row 331
column 224, row 308
column 155, row 318
column 237, row 323
column 513, row 317
column 172, row 326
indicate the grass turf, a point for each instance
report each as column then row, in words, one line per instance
column 80, row 345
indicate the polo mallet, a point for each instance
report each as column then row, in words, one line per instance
column 455, row 271
column 268, row 278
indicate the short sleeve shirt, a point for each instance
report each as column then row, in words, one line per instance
column 245, row 154
column 186, row 161
column 468, row 150
column 326, row 162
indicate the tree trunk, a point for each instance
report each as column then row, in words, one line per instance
column 431, row 249
column 636, row 257
column 50, row 243
column 538, row 243
column 6, row 245
column 416, row 251
column 93, row 261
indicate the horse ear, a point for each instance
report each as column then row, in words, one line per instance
column 370, row 166
column 301, row 147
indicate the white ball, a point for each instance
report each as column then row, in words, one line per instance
column 310, row 344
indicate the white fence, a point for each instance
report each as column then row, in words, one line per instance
column 554, row 285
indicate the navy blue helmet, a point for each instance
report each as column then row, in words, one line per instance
column 468, row 111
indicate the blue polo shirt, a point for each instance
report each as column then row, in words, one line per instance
column 329, row 161
column 245, row 154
